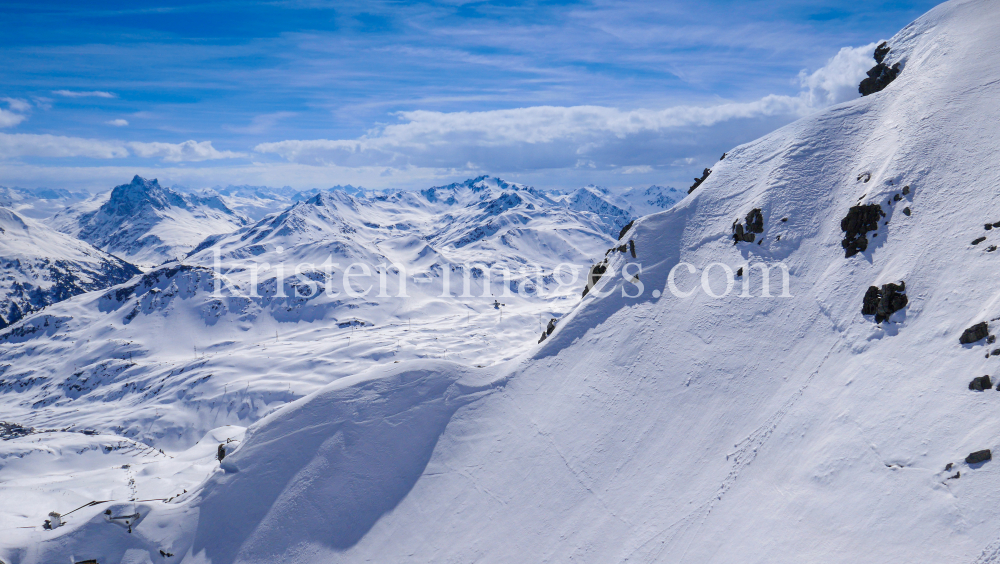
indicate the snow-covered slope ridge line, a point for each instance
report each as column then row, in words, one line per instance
column 41, row 266
column 146, row 223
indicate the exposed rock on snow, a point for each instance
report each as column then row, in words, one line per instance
column 698, row 181
column 974, row 334
column 882, row 303
column 856, row 225
column 881, row 74
column 979, row 456
column 980, row 383
column 754, row 223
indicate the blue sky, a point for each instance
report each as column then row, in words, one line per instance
column 405, row 94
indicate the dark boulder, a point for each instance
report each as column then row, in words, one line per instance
column 882, row 303
column 856, row 225
column 631, row 247
column 221, row 452
column 977, row 332
column 978, row 240
column 980, row 383
column 906, row 212
column 979, row 456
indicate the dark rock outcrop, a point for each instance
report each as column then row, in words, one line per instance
column 754, row 223
column 882, row 303
column 594, row 275
column 881, row 74
column 13, row 430
column 856, row 225
column 979, row 456
column 698, row 181
column 976, row 333
column 980, row 383
column 625, row 229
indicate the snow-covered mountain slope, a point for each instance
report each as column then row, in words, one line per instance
column 653, row 199
column 665, row 427
column 40, row 266
column 617, row 209
column 39, row 203
column 146, row 223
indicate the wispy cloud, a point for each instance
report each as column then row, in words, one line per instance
column 84, row 94
column 34, row 145
column 13, row 145
column 260, row 124
column 117, row 122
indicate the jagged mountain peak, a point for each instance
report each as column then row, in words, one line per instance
column 134, row 197
column 147, row 223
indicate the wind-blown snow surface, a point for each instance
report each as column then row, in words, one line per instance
column 740, row 429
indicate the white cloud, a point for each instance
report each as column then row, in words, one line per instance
column 452, row 138
column 17, row 104
column 32, row 145
column 838, row 80
column 84, row 94
column 14, row 115
column 10, row 119
column 117, row 122
column 188, row 151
